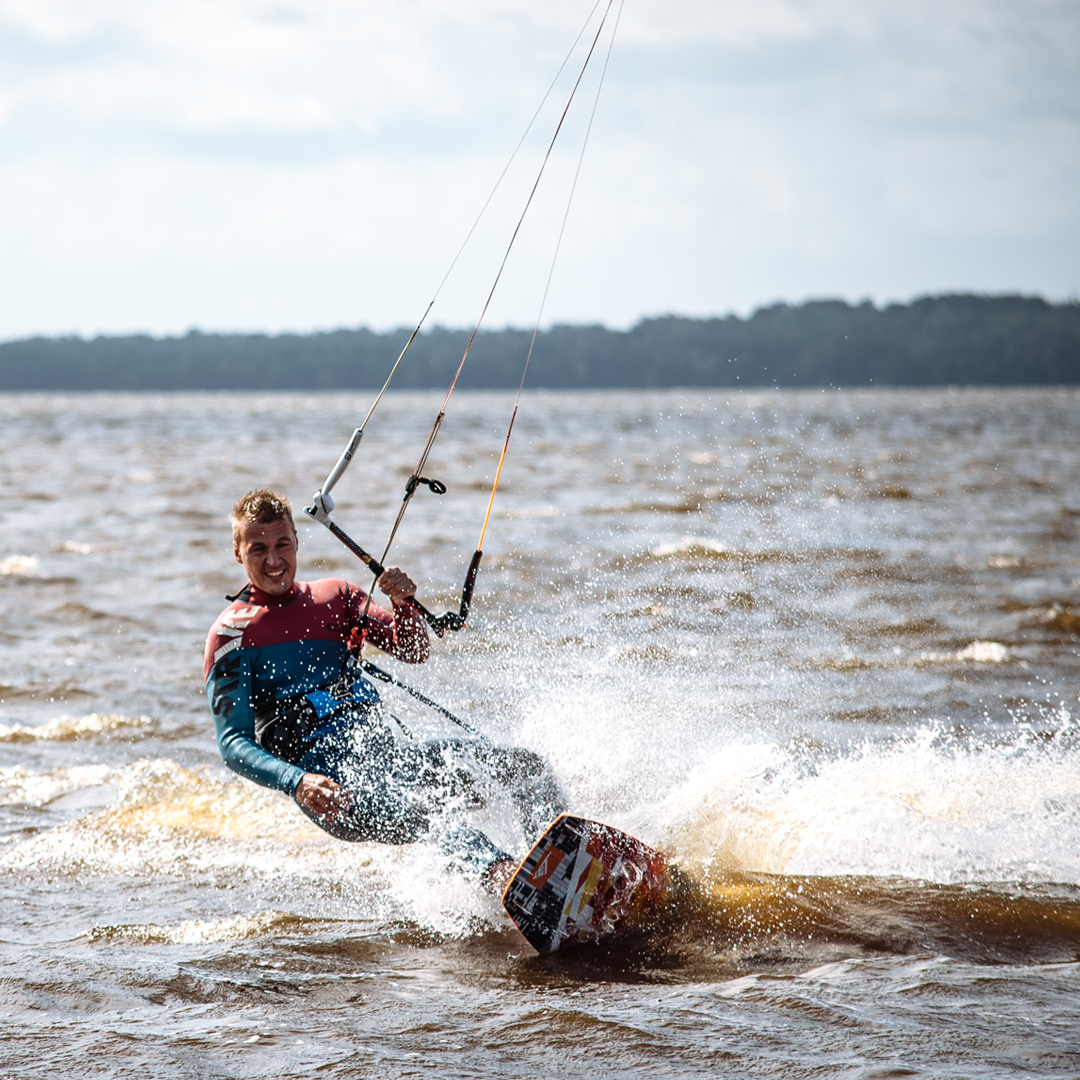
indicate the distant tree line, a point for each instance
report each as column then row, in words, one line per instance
column 933, row 341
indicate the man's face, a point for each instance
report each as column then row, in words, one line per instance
column 268, row 554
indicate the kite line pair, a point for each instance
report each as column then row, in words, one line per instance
column 322, row 502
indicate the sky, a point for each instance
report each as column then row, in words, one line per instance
column 278, row 165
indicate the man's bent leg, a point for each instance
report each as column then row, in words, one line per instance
column 524, row 775
column 380, row 810
column 394, row 791
column 469, row 849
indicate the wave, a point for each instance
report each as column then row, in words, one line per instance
column 75, row 547
column 69, row 728
column 697, row 548
column 534, row 513
column 686, row 506
column 21, row 787
column 1060, row 617
column 796, row 855
column 27, row 568
column 163, row 820
column 167, row 819
column 921, row 808
column 200, row 931
column 982, row 652
column 977, row 652
column 794, row 921
column 918, row 844
column 19, row 566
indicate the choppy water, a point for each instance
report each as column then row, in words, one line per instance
column 824, row 648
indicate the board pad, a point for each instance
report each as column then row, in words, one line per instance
column 585, row 882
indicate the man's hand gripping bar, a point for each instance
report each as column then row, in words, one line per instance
column 452, row 620
column 323, row 505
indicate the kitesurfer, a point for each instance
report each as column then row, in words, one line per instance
column 290, row 713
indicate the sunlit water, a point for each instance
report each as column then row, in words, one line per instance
column 823, row 648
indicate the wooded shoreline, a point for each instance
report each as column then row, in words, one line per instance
column 933, row 341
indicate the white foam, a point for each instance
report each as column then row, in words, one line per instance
column 198, row 931
column 437, row 897
column 21, row 787
column 75, row 547
column 692, row 545
column 984, row 652
column 66, row 728
column 917, row 808
column 979, row 652
column 19, row 566
column 165, row 820
column 535, row 513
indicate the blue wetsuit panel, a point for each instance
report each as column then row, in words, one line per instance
column 246, row 680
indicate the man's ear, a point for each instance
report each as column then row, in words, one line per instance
column 236, row 554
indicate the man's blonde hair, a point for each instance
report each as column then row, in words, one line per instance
column 261, row 506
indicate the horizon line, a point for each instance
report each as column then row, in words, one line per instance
column 194, row 331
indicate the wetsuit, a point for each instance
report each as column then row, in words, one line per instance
column 273, row 669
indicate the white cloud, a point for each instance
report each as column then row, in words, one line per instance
column 243, row 164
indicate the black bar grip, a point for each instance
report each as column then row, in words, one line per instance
column 368, row 560
column 453, row 620
column 470, row 584
column 433, row 620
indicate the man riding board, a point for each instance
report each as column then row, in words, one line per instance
column 291, row 713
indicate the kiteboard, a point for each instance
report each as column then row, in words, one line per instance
column 586, row 882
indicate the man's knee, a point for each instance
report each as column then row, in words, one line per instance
column 367, row 824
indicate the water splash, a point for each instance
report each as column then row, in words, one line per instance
column 921, row 808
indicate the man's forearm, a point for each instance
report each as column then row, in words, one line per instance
column 411, row 642
column 245, row 756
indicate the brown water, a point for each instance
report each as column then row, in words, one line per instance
column 824, row 648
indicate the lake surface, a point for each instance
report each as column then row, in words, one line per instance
column 821, row 647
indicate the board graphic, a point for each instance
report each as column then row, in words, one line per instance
column 585, row 882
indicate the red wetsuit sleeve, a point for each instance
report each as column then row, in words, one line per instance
column 400, row 632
